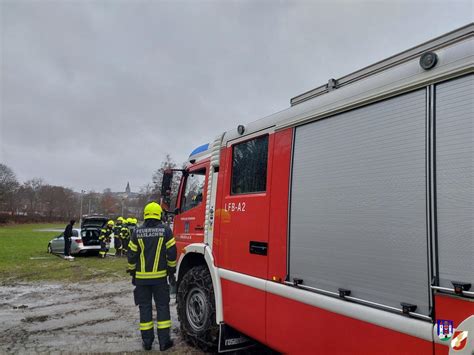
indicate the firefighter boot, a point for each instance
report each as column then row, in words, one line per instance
column 147, row 344
column 168, row 345
column 146, row 327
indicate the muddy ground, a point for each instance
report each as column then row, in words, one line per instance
column 74, row 318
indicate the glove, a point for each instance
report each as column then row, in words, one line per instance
column 131, row 272
column 172, row 280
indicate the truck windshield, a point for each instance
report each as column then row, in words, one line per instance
column 193, row 191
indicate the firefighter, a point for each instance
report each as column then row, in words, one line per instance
column 132, row 224
column 151, row 258
column 124, row 237
column 117, row 239
column 105, row 237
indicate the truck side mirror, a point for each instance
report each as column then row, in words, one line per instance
column 166, row 186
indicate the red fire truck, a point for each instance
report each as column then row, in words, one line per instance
column 343, row 224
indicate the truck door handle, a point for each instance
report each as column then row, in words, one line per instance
column 259, row 248
column 199, row 228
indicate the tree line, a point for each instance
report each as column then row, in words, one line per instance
column 35, row 200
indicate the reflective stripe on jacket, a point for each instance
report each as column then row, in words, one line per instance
column 105, row 234
column 124, row 233
column 152, row 250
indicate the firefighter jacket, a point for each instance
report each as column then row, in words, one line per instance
column 152, row 253
column 124, row 232
column 105, row 234
column 117, row 229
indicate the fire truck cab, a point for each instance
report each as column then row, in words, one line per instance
column 343, row 224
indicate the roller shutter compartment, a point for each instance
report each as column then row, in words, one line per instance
column 358, row 203
column 455, row 180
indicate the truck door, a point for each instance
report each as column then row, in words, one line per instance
column 243, row 230
column 189, row 223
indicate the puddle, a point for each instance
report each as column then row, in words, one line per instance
column 90, row 317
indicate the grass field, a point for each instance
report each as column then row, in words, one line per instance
column 23, row 257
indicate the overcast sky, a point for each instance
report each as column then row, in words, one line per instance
column 95, row 93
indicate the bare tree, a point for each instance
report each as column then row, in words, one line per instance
column 54, row 201
column 8, row 187
column 30, row 191
column 91, row 202
column 146, row 194
column 108, row 203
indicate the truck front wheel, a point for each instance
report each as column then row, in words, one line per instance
column 197, row 309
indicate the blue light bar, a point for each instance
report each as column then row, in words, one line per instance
column 200, row 149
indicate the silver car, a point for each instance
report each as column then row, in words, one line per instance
column 83, row 241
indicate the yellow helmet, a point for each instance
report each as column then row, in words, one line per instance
column 130, row 220
column 135, row 221
column 121, row 219
column 152, row 210
column 110, row 223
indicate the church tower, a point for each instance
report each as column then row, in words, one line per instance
column 127, row 189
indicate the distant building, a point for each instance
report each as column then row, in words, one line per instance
column 130, row 201
column 127, row 194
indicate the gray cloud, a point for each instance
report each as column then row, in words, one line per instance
column 95, row 93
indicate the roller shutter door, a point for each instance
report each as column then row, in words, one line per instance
column 455, row 180
column 358, row 203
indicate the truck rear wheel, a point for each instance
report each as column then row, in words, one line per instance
column 197, row 309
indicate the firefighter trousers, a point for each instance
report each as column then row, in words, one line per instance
column 125, row 242
column 103, row 249
column 144, row 294
column 124, row 246
column 118, row 246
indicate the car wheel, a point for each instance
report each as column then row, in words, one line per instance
column 50, row 251
column 197, row 309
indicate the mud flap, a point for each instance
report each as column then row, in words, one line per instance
column 232, row 340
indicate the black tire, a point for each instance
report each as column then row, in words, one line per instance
column 197, row 309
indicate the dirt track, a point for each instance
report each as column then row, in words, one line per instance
column 74, row 318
